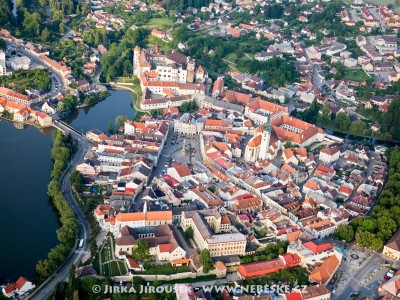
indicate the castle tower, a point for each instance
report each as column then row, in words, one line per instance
column 155, row 49
column 190, row 70
column 265, row 138
column 136, row 67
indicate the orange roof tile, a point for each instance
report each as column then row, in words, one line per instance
column 255, row 141
column 159, row 215
column 219, row 265
column 324, row 273
column 311, row 184
column 180, row 261
column 11, row 93
column 129, row 217
column 165, row 248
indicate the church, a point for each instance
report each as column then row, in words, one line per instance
column 271, row 136
column 261, row 146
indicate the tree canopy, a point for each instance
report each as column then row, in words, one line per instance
column 374, row 230
column 141, row 250
column 205, row 260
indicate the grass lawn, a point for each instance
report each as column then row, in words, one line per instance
column 231, row 57
column 106, row 270
column 106, row 254
column 114, row 269
column 356, row 75
column 122, row 267
column 165, row 47
column 159, row 23
column 96, row 264
column 123, row 79
column 244, row 60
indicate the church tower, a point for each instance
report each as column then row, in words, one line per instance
column 265, row 137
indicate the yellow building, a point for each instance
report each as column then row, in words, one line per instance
column 392, row 247
column 209, row 234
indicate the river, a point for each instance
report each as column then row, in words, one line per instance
column 28, row 222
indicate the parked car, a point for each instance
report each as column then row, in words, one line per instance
column 389, row 275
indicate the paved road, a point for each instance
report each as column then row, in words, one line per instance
column 96, row 78
column 356, row 280
column 33, row 58
column 43, row 291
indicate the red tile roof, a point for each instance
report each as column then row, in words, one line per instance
column 318, row 248
column 9, row 288
column 20, row 282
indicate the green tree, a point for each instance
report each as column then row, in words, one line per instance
column 342, row 121
column 205, row 260
column 390, row 121
column 3, row 45
column 345, row 232
column 325, row 114
column 141, row 250
column 369, row 240
column 6, row 16
column 62, row 28
column 188, row 107
column 44, row 37
column 32, row 23
column 189, row 233
column 120, row 120
column 358, row 127
column 70, row 102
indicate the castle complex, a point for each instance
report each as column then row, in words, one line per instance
column 167, row 80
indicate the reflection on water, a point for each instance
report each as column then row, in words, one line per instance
column 28, row 222
column 102, row 113
column 360, row 139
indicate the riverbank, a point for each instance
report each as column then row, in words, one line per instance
column 25, row 123
column 98, row 116
column 351, row 136
column 127, row 86
column 62, row 150
column 101, row 96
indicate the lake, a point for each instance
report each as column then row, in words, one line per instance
column 28, row 224
column 104, row 112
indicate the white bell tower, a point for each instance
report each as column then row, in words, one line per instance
column 266, row 135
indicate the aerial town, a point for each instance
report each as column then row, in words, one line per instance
column 258, row 159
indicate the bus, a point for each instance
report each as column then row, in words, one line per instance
column 80, row 244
